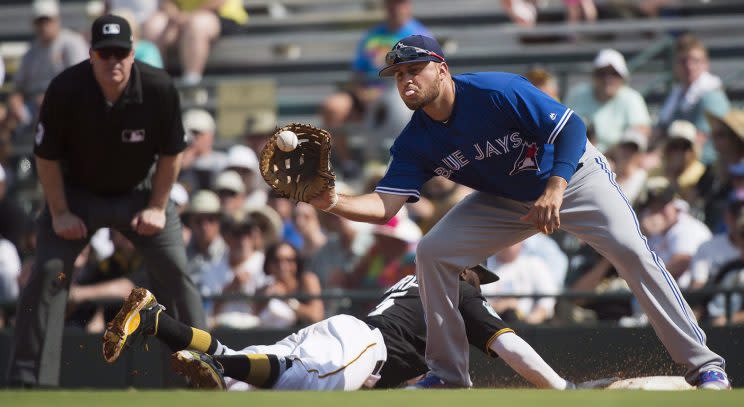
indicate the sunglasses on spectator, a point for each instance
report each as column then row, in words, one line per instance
column 205, row 218
column 117, row 53
column 408, row 53
column 226, row 193
column 285, row 259
column 42, row 20
column 241, row 230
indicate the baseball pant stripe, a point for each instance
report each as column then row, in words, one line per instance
column 664, row 272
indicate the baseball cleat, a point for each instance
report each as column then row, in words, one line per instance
column 138, row 316
column 713, row 379
column 430, row 381
column 199, row 369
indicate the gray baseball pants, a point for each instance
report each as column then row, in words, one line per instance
column 594, row 210
column 41, row 306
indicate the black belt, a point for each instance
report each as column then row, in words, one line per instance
column 578, row 167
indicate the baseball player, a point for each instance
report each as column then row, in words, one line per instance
column 340, row 353
column 528, row 158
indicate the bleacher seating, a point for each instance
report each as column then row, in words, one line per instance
column 306, row 45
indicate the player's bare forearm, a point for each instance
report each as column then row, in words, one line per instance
column 166, row 172
column 50, row 176
column 371, row 208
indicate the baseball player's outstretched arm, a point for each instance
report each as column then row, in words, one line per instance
column 374, row 207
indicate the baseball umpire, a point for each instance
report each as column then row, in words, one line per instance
column 108, row 149
column 383, row 350
column 533, row 170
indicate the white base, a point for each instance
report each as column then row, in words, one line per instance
column 652, row 383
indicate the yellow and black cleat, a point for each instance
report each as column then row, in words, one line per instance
column 138, row 316
column 199, row 369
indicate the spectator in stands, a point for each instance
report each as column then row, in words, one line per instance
column 284, row 208
column 679, row 159
column 231, row 191
column 727, row 134
column 545, row 81
column 288, row 277
column 308, row 225
column 697, row 91
column 180, row 198
column 109, row 279
column 142, row 10
column 722, row 248
column 270, row 226
column 438, row 196
column 144, row 50
column 240, row 271
column 625, row 158
column 258, row 127
column 608, row 104
column 194, row 24
column 365, row 86
column 673, row 234
column 10, row 271
column 201, row 163
column 578, row 10
column 207, row 247
column 521, row 12
column 731, row 276
column 347, row 242
column 13, row 220
column 522, row 274
column 53, row 50
column 545, row 248
column 244, row 161
column 391, row 256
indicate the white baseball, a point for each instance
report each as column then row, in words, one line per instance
column 287, row 141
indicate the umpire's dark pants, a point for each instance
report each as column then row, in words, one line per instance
column 41, row 306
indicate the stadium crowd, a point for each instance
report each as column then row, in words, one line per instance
column 682, row 169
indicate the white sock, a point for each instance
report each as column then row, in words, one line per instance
column 191, row 78
column 520, row 356
column 221, row 349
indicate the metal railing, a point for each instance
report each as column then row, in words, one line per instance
column 349, row 298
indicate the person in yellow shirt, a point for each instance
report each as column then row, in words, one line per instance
column 194, row 25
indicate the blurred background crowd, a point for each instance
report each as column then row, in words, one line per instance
column 657, row 83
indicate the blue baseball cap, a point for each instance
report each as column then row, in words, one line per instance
column 412, row 49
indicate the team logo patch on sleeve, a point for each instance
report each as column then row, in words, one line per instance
column 527, row 160
column 133, row 136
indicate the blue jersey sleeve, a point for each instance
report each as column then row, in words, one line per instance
column 404, row 176
column 546, row 119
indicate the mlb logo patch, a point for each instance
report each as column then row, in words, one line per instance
column 111, row 29
column 133, row 136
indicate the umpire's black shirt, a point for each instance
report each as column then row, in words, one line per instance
column 109, row 149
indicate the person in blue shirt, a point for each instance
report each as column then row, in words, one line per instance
column 528, row 159
column 365, row 87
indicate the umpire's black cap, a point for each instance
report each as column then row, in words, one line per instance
column 111, row 31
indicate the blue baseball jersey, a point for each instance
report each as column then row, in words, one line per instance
column 500, row 139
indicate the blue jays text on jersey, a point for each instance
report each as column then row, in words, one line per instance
column 504, row 137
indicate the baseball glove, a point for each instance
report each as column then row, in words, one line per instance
column 303, row 173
